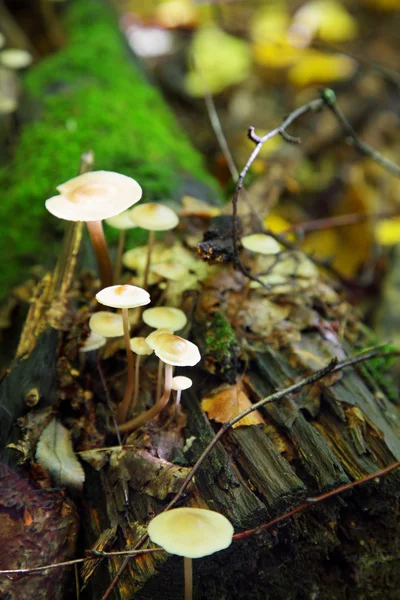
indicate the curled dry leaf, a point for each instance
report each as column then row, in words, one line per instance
column 55, row 453
column 225, row 405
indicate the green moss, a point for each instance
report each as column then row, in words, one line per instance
column 90, row 95
column 220, row 339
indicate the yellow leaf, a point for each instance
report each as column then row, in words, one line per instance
column 268, row 22
column 276, row 53
column 316, row 67
column 387, row 232
column 222, row 60
column 276, row 223
column 225, row 405
column 327, row 19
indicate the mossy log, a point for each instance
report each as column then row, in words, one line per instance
column 91, row 95
column 253, row 342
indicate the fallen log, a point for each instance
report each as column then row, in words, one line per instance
column 253, row 341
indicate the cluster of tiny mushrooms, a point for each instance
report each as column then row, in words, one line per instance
column 103, row 195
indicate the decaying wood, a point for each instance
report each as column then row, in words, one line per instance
column 326, row 436
column 259, row 340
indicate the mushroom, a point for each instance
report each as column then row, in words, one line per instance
column 124, row 297
column 141, row 348
column 92, row 197
column 15, row 58
column 168, row 318
column 165, row 317
column 149, row 340
column 106, row 324
column 261, row 243
column 191, row 533
column 180, row 383
column 94, row 341
column 153, row 217
column 173, row 351
column 122, row 221
column 172, row 272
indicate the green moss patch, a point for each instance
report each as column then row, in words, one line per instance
column 90, row 95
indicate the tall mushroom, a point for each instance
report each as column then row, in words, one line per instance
column 92, row 197
column 173, row 351
column 153, row 217
column 124, row 297
column 191, row 533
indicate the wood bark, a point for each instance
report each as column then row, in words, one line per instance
column 335, row 432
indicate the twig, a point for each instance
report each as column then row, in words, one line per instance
column 332, row 367
column 312, row 106
column 316, row 500
column 215, row 121
column 96, row 554
column 339, row 221
column 328, row 100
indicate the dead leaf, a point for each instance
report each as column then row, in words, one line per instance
column 227, row 404
column 55, row 453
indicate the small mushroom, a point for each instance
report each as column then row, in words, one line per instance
column 106, row 324
column 165, row 317
column 15, row 58
column 168, row 318
column 191, row 533
column 261, row 243
column 124, row 297
column 180, row 383
column 140, row 347
column 173, row 351
column 92, row 197
column 153, row 217
column 94, row 341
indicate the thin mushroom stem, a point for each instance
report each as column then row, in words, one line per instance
column 188, row 570
column 136, row 391
column 96, row 233
column 120, row 250
column 150, row 244
column 159, row 378
column 177, row 399
column 155, row 410
column 123, row 408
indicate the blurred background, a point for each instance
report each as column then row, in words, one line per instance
column 222, row 66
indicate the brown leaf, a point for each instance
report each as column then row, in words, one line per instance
column 225, row 405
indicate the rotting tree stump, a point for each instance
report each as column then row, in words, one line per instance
column 253, row 341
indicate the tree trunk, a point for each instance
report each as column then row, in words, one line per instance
column 253, row 342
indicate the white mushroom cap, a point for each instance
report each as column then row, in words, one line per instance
column 94, row 196
column 170, row 270
column 154, row 334
column 123, row 296
column 121, row 221
column 140, row 346
column 261, row 243
column 191, row 532
column 165, row 317
column 154, row 217
column 175, row 350
column 180, row 382
column 15, row 58
column 94, row 341
column 106, row 324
